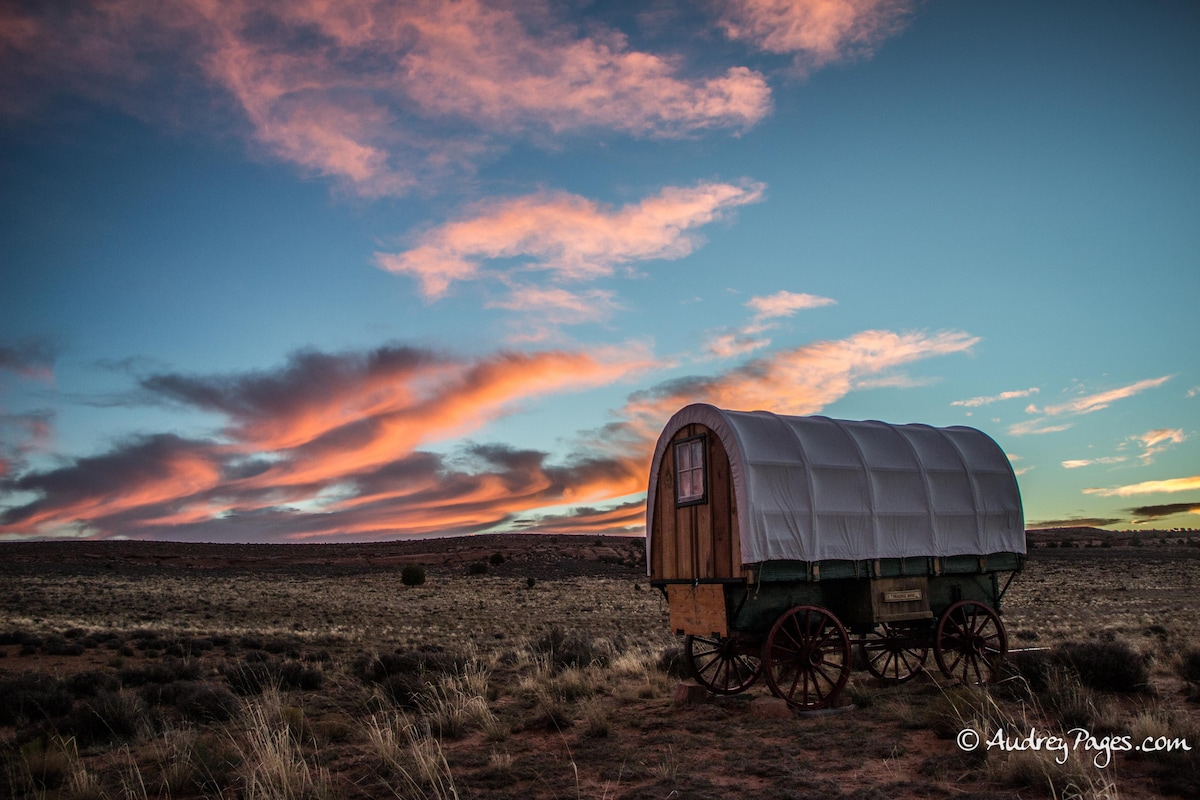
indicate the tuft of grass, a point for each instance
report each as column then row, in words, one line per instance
column 274, row 764
column 412, row 761
column 458, row 703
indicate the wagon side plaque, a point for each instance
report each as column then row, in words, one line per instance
column 698, row 609
column 895, row 599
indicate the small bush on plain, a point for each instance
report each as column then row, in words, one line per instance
column 412, row 575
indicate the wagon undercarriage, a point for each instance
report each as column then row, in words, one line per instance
column 803, row 634
column 808, row 654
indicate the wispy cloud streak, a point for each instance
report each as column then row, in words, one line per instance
column 1085, row 404
column 976, row 402
column 1149, row 487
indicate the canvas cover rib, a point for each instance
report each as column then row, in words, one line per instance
column 815, row 489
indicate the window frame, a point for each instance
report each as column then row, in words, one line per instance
column 701, row 498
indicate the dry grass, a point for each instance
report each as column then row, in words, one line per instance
column 357, row 686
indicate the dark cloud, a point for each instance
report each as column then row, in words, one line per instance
column 1165, row 510
column 1074, row 522
column 29, row 357
column 622, row 518
column 308, row 379
column 140, row 469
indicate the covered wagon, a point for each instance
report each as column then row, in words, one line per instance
column 783, row 542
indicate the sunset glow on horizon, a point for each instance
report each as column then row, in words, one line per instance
column 368, row 270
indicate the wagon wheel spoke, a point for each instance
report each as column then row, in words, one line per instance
column 970, row 642
column 891, row 654
column 719, row 666
column 806, row 657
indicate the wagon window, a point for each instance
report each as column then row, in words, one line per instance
column 689, row 471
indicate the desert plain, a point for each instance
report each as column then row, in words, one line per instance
column 543, row 666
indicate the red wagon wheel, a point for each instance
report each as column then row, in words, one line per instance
column 721, row 665
column 970, row 642
column 807, row 657
column 890, row 654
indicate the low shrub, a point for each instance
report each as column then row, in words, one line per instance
column 33, row 696
column 673, row 662
column 412, row 575
column 564, row 650
column 477, row 568
column 206, row 702
column 497, row 559
column 168, row 670
column 1189, row 665
column 1102, row 666
column 1106, row 666
column 93, row 682
column 252, row 676
column 107, row 717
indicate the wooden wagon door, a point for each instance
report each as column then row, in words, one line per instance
column 695, row 535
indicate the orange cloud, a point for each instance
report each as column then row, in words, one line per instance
column 1156, row 441
column 1149, row 487
column 818, row 32
column 327, row 446
column 571, row 237
column 799, row 381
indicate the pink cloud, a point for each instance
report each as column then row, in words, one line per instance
column 480, row 63
column 376, row 95
column 748, row 338
column 785, row 304
column 542, row 310
column 817, row 32
column 569, row 236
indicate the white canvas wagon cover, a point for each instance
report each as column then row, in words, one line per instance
column 815, row 488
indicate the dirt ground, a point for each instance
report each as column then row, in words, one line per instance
column 604, row 723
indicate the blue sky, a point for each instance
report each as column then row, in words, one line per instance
column 399, row 269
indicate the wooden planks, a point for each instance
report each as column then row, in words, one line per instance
column 698, row 609
column 697, row 541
